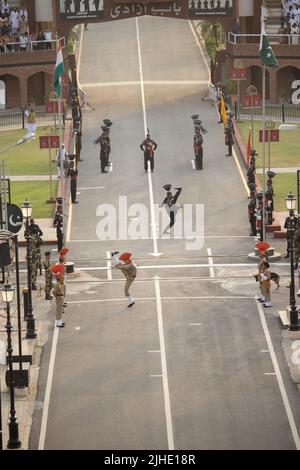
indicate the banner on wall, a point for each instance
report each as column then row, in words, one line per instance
column 210, row 7
column 80, row 9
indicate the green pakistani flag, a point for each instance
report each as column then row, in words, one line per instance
column 59, row 71
column 266, row 53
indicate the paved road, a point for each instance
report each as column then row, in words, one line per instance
column 192, row 365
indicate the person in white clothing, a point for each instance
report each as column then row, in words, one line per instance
column 48, row 38
column 14, row 21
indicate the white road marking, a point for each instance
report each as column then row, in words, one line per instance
column 158, row 351
column 164, row 367
column 211, row 263
column 193, row 164
column 111, row 167
column 230, row 237
column 48, row 390
column 201, row 50
column 270, row 373
column 195, row 324
column 156, row 376
column 264, row 350
column 152, row 210
column 92, row 188
column 146, row 82
column 279, row 378
column 109, row 266
column 240, row 172
column 162, row 298
column 77, row 328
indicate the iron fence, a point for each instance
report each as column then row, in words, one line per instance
column 276, row 112
column 16, row 118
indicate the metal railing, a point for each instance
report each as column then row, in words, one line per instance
column 16, row 118
column 280, row 39
column 276, row 112
column 31, row 46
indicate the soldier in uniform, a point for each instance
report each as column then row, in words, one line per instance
column 198, row 148
column 128, row 268
column 229, row 133
column 170, row 204
column 148, row 146
column 34, row 260
column 58, row 224
column 48, row 276
column 105, row 148
column 34, row 229
column 58, row 292
column 73, row 173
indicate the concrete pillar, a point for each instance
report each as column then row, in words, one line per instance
column 273, row 86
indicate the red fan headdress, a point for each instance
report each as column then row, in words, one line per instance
column 125, row 256
column 63, row 251
column 262, row 246
column 57, row 269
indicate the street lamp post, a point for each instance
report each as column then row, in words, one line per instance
column 27, row 211
column 291, row 227
column 13, row 427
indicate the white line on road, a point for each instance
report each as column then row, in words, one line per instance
column 146, row 82
column 201, row 50
column 211, row 263
column 193, row 164
column 164, row 367
column 163, row 298
column 48, row 390
column 241, row 172
column 158, row 351
column 108, row 266
column 279, row 378
column 152, row 211
column 156, row 376
column 195, row 324
column 229, row 237
column 92, row 188
column 270, row 373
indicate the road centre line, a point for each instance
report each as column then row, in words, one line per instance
column 92, row 188
column 279, row 377
column 229, row 297
column 41, row 445
column 145, row 82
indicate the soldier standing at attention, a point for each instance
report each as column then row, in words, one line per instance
column 73, row 173
column 148, row 146
column 35, row 230
column 48, row 276
column 34, row 260
column 58, row 223
column 58, row 292
column 198, row 148
column 104, row 141
column 229, row 133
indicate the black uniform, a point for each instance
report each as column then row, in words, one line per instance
column 73, row 173
column 58, row 223
column 170, row 202
column 148, row 146
column 105, row 148
column 198, row 149
column 229, row 133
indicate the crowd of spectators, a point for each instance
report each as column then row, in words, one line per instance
column 14, row 31
column 290, row 20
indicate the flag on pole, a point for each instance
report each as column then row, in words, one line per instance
column 266, row 53
column 59, row 71
column 223, row 111
column 249, row 148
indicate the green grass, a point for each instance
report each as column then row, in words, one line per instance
column 37, row 192
column 283, row 183
column 285, row 153
column 27, row 158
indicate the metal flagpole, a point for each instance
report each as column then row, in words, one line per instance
column 264, row 152
column 62, row 179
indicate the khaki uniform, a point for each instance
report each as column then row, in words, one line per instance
column 58, row 292
column 129, row 271
column 48, row 277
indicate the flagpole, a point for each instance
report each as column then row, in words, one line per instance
column 62, row 170
column 264, row 151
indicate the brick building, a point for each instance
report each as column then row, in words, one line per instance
column 27, row 76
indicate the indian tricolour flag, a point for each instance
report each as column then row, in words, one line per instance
column 59, row 71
